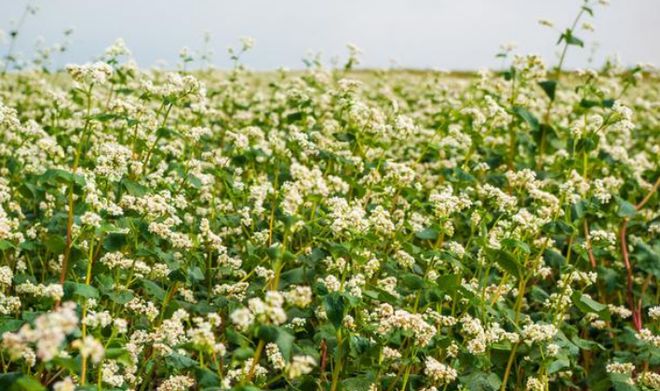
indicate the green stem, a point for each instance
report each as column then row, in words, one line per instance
column 76, row 162
column 509, row 364
column 546, row 118
column 521, row 293
column 153, row 146
column 255, row 360
column 406, row 376
column 337, row 369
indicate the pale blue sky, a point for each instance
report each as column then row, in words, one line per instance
column 442, row 34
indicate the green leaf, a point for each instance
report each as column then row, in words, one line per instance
column 8, row 379
column 412, row 281
column 292, row 276
column 57, row 175
column 177, row 275
column 17, row 381
column 27, row 383
column 586, row 304
column 335, row 305
column 462, row 175
column 104, row 117
column 621, row 382
column 570, row 39
column 554, row 258
column 69, row 363
column 207, row 379
column 593, row 305
column 538, row 295
column 246, row 388
column 558, row 227
column 165, row 132
column 10, row 325
column 194, row 181
column 626, row 209
column 195, row 273
column 507, row 261
column 274, row 251
column 28, row 190
column 608, row 103
column 586, row 344
column 558, row 364
column 134, row 188
column 5, row 244
column 242, row 354
column 179, row 361
column 648, row 258
column 549, row 86
column 345, row 136
column 152, row 289
column 55, row 243
column 358, row 383
column 114, row 241
column 284, row 341
column 121, row 297
column 573, row 40
column 293, row 117
column 516, row 244
column 449, row 282
column 589, row 103
column 359, row 345
column 528, row 117
column 267, row 332
column 480, row 381
column 578, row 210
column 427, row 234
column 83, row 290
column 116, row 353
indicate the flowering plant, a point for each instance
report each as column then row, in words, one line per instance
column 330, row 229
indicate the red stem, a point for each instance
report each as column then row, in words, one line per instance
column 636, row 309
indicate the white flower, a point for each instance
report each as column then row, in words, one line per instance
column 6, row 276
column 536, row 332
column 242, row 318
column 90, row 347
column 654, row 312
column 247, row 42
column 66, row 384
column 625, row 368
column 96, row 73
column 438, row 372
column 177, row 383
column 300, row 365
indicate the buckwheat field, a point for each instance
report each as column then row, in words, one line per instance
column 332, row 228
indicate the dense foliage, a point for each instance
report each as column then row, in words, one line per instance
column 329, row 229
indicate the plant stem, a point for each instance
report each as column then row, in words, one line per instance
column 517, row 307
column 255, row 359
column 337, row 369
column 71, row 204
column 630, row 295
column 509, row 364
column 153, row 146
column 587, row 239
column 406, row 375
column 546, row 117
